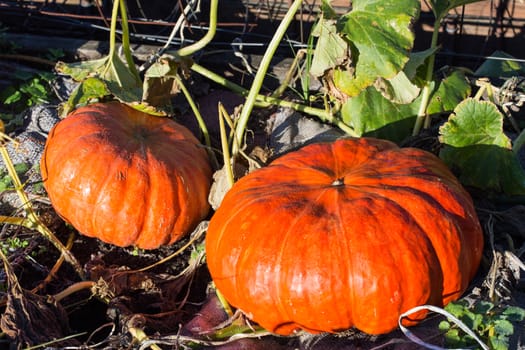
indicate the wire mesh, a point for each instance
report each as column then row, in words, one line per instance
column 469, row 33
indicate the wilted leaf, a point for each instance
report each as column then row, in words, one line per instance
column 478, row 150
column 210, row 316
column 168, row 66
column 148, row 108
column 121, row 82
column 330, row 50
column 31, row 319
column 371, row 114
column 159, row 91
column 81, row 70
column 382, row 34
column 399, row 89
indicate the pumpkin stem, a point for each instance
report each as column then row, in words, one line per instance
column 264, row 101
column 422, row 117
column 338, row 182
column 261, row 73
column 191, row 49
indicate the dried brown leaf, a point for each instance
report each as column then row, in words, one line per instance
column 30, row 319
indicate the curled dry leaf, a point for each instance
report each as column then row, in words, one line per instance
column 30, row 319
column 154, row 298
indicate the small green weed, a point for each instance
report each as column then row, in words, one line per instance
column 12, row 244
column 5, row 179
column 54, row 54
column 28, row 89
column 493, row 323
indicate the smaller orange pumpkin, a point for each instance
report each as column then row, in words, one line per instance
column 126, row 177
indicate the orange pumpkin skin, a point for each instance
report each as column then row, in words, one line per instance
column 345, row 234
column 126, row 177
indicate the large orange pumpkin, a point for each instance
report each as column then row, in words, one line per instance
column 126, row 177
column 345, row 234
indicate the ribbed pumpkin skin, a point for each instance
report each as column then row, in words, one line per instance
column 126, row 177
column 345, row 234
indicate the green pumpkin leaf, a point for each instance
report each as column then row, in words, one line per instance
column 499, row 343
column 514, row 313
column 478, row 150
column 80, row 71
column 449, row 93
column 371, row 114
column 483, row 307
column 118, row 73
column 475, row 123
column 503, row 327
column 147, row 108
column 416, row 61
column 89, row 90
column 500, row 68
column 99, row 79
column 327, row 9
column 13, row 98
column 331, row 49
column 399, row 89
column 160, row 69
column 457, row 308
column 382, row 35
column 441, row 7
column 519, row 141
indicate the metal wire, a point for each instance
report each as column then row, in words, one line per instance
column 183, row 18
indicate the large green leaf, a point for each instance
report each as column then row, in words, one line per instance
column 371, row 114
column 380, row 31
column 476, row 147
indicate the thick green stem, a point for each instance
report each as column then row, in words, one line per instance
column 198, row 116
column 261, row 73
column 191, row 49
column 426, row 92
column 266, row 101
column 225, row 146
column 125, row 41
column 113, row 28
